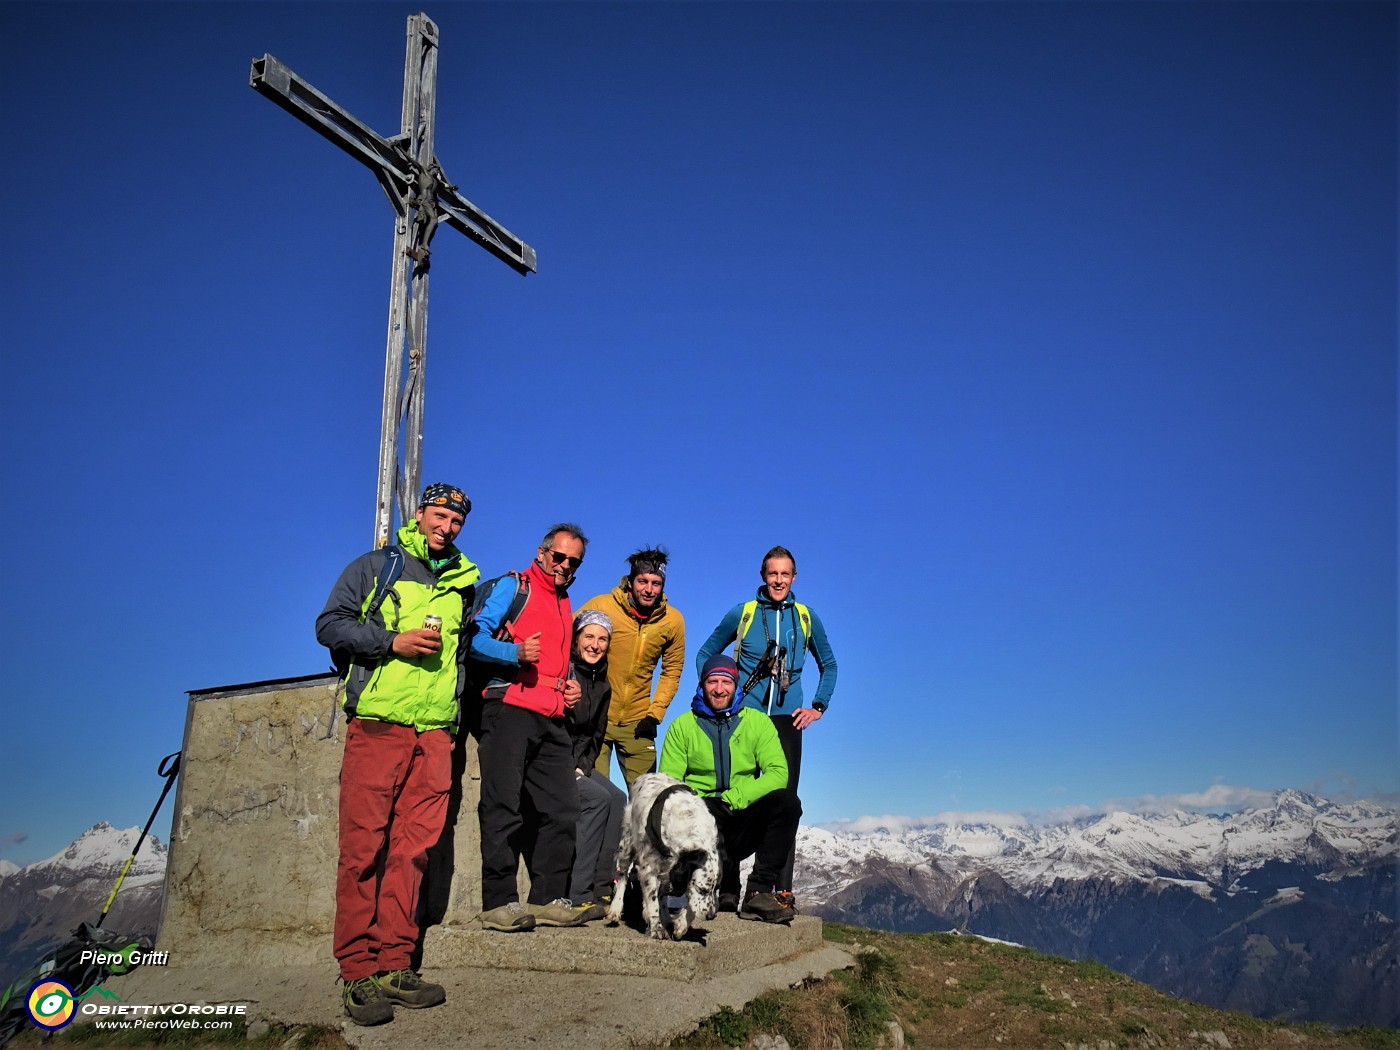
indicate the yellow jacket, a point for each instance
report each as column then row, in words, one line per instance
column 634, row 651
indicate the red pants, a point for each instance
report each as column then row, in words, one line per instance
column 393, row 802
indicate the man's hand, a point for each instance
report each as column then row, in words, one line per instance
column 418, row 642
column 718, row 807
column 646, row 728
column 572, row 692
column 805, row 716
column 528, row 651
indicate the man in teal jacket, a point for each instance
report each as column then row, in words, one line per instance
column 773, row 633
column 731, row 756
column 401, row 684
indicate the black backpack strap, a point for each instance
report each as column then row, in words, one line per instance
column 389, row 574
column 513, row 611
column 477, row 676
column 517, row 605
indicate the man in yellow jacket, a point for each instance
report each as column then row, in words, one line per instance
column 646, row 631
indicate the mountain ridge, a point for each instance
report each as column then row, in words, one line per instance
column 1205, row 847
column 1277, row 909
column 1284, row 910
column 42, row 903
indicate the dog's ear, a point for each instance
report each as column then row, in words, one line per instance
column 686, row 865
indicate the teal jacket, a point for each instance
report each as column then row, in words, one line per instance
column 780, row 622
column 736, row 756
column 419, row 692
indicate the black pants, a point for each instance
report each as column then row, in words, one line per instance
column 529, row 804
column 765, row 829
column 791, row 739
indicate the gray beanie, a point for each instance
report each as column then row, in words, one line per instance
column 588, row 616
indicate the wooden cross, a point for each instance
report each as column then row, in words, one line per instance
column 412, row 177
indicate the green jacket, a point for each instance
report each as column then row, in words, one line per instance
column 419, row 692
column 738, row 758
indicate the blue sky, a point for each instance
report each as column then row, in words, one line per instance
column 1058, row 341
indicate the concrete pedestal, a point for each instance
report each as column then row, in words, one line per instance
column 249, row 903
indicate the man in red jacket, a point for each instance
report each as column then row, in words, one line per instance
column 525, row 750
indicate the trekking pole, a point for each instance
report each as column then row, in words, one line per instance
column 764, row 668
column 168, row 768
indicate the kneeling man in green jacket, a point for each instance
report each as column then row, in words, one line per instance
column 733, row 759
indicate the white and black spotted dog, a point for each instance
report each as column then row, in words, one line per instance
column 670, row 838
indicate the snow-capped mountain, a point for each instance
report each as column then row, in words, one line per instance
column 1209, row 849
column 42, row 903
column 1287, row 909
column 102, row 850
column 1284, row 910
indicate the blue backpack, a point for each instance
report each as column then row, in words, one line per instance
column 475, row 675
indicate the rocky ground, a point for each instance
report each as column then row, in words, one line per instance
column 860, row 988
column 499, row 1007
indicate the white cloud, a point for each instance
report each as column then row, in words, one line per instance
column 1218, row 798
column 865, row 825
column 1064, row 814
column 896, row 824
column 982, row 816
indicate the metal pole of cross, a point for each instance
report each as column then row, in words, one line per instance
column 408, row 169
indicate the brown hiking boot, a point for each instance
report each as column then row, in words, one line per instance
column 765, row 907
column 558, row 912
column 408, row 989
column 589, row 911
column 508, row 918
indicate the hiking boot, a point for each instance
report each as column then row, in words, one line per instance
column 364, row 1003
column 508, row 918
column 786, row 899
column 590, row 911
column 728, row 902
column 408, row 989
column 558, row 912
column 765, row 907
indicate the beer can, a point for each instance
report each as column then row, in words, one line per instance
column 433, row 623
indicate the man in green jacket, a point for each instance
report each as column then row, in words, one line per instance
column 393, row 624
column 731, row 756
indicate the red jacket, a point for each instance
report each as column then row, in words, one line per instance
column 539, row 686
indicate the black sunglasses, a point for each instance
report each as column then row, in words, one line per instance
column 560, row 558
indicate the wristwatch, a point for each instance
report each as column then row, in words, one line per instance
column 819, row 706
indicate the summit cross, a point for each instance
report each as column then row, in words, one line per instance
column 411, row 175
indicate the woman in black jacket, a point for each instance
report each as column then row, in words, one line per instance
column 601, row 802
